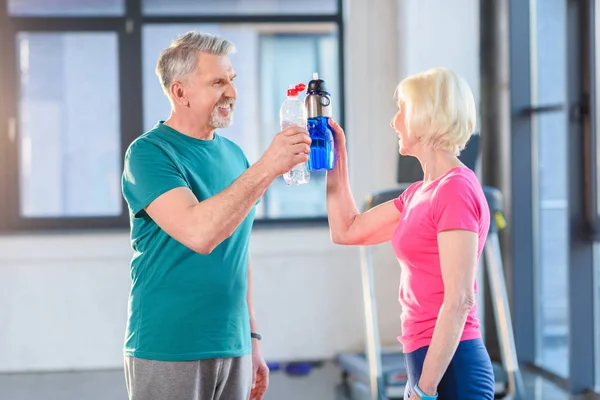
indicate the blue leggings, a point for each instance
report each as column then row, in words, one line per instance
column 469, row 376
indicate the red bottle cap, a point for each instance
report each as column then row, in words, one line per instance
column 293, row 91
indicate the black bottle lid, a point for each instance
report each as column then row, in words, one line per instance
column 316, row 85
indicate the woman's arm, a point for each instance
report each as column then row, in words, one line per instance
column 458, row 259
column 346, row 224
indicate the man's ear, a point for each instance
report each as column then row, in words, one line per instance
column 178, row 94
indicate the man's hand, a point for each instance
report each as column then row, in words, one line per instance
column 260, row 373
column 289, row 148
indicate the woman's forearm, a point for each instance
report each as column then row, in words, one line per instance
column 341, row 207
column 446, row 337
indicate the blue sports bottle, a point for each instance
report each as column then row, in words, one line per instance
column 318, row 107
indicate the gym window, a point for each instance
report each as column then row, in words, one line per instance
column 79, row 86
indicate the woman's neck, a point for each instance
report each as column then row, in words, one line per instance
column 436, row 163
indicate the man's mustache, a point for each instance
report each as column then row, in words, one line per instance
column 230, row 102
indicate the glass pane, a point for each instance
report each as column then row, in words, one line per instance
column 76, row 8
column 279, row 55
column 69, row 124
column 550, row 144
column 237, row 7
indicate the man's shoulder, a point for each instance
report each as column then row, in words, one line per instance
column 232, row 147
column 148, row 142
column 230, row 144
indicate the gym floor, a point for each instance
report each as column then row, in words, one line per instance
column 109, row 385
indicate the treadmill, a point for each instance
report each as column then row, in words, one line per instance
column 380, row 374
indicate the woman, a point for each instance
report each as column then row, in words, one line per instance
column 438, row 228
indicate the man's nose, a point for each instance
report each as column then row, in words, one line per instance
column 231, row 91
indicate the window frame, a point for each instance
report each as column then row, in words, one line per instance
column 589, row 107
column 4, row 121
column 582, row 285
column 128, row 27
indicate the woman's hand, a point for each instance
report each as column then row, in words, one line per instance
column 339, row 139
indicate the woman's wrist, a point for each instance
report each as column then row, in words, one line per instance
column 425, row 391
column 339, row 175
column 428, row 389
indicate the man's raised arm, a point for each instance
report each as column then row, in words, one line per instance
column 202, row 226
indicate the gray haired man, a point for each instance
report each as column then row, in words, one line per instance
column 191, row 332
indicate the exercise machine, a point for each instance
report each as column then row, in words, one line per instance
column 381, row 375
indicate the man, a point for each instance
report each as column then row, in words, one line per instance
column 191, row 332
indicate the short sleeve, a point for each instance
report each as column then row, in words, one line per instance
column 148, row 172
column 401, row 201
column 456, row 205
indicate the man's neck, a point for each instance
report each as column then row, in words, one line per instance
column 190, row 127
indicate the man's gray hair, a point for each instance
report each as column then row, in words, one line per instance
column 180, row 58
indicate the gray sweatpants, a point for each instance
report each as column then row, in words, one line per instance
column 212, row 379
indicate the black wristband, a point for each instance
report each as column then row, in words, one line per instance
column 255, row 336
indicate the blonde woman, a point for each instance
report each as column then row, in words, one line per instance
column 438, row 228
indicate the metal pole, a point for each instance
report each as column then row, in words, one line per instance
column 503, row 320
column 373, row 347
column 495, row 119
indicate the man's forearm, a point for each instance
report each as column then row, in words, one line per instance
column 218, row 216
column 446, row 336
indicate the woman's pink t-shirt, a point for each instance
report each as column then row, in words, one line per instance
column 453, row 201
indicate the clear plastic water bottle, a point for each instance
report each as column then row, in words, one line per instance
column 293, row 112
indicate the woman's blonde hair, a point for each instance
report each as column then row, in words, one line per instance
column 439, row 108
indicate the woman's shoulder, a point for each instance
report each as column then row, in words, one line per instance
column 412, row 188
column 459, row 179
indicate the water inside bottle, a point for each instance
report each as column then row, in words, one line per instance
column 300, row 174
column 322, row 146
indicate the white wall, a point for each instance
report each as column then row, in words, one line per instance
column 436, row 33
column 63, row 297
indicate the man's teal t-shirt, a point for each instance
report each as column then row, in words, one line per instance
column 184, row 305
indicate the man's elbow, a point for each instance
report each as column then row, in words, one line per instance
column 204, row 249
column 205, row 244
column 201, row 243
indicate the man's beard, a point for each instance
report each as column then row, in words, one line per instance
column 219, row 122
